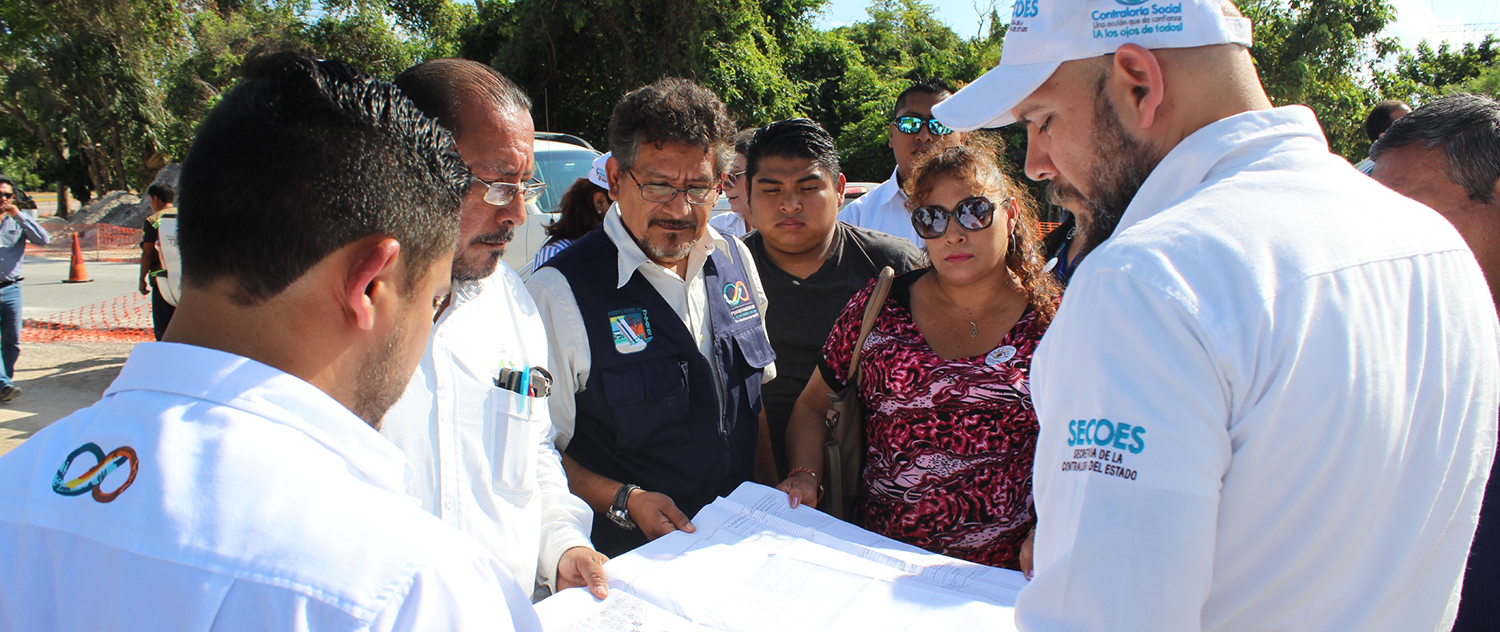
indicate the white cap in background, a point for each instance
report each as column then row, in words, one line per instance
column 598, row 174
column 1045, row 33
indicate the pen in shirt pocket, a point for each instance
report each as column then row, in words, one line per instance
column 530, row 381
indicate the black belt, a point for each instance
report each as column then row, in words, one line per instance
column 9, row 282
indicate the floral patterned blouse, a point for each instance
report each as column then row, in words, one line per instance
column 949, row 443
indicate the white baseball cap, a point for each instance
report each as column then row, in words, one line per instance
column 1045, row 33
column 598, row 174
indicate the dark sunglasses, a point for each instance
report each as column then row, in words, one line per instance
column 975, row 213
column 913, row 125
column 7, row 195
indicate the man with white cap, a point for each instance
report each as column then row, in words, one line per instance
column 1288, row 375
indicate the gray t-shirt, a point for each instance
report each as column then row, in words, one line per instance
column 802, row 311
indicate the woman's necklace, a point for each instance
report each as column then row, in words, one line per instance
column 968, row 313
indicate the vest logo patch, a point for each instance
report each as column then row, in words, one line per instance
column 91, row 480
column 631, row 329
column 741, row 305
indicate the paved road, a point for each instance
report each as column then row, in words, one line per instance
column 43, row 291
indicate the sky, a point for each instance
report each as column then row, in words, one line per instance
column 1456, row 21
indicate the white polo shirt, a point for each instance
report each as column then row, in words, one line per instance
column 242, row 498
column 688, row 297
column 883, row 209
column 483, row 455
column 1267, row 403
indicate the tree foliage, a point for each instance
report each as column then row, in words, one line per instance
column 98, row 93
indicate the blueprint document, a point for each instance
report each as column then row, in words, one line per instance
column 755, row 564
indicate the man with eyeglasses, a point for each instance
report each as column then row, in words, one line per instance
column 658, row 337
column 473, row 421
column 16, row 228
column 914, row 132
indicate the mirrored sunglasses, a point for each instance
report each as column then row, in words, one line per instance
column 975, row 213
column 913, row 125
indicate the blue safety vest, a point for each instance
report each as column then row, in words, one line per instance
column 655, row 412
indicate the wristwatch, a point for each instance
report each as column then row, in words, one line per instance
column 618, row 513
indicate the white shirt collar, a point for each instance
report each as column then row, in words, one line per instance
column 891, row 189
column 631, row 257
column 1200, row 155
column 237, row 382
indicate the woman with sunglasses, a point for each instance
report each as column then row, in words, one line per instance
column 949, row 427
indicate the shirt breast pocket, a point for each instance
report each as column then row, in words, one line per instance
column 512, row 435
column 650, row 402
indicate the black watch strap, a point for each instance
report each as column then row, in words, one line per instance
column 619, row 512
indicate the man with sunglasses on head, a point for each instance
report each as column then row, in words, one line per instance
column 913, row 132
column 16, row 228
column 473, row 420
column 657, row 329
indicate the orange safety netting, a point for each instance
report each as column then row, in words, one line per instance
column 100, row 242
column 120, row 319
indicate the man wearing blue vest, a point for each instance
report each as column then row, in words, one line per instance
column 657, row 328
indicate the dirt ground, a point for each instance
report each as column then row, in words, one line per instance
column 57, row 378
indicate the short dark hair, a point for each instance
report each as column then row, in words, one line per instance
column 162, row 193
column 1382, row 116
column 440, row 87
column 933, row 86
column 1467, row 128
column 672, row 110
column 793, row 138
column 303, row 157
column 576, row 215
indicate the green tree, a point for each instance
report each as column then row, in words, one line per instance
column 1320, row 53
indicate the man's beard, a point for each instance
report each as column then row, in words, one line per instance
column 476, row 268
column 674, row 250
column 1121, row 166
column 381, row 383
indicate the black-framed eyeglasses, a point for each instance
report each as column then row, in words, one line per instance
column 663, row 193
column 975, row 213
column 502, row 193
column 732, row 178
column 913, row 125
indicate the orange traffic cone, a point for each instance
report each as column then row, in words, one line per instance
column 76, row 271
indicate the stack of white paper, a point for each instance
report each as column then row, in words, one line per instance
column 757, row 565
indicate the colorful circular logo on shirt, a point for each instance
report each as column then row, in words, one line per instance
column 736, row 293
column 91, row 480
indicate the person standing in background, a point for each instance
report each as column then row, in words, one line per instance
column 580, row 211
column 805, row 256
column 1381, row 117
column 1446, row 154
column 152, row 266
column 738, row 222
column 16, row 230
column 914, row 130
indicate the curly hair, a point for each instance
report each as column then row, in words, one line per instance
column 577, row 215
column 672, row 110
column 976, row 163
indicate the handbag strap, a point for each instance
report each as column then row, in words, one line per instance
column 872, row 311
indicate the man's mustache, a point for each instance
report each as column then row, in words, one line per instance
column 673, row 224
column 499, row 237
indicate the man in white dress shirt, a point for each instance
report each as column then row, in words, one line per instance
column 1268, row 400
column 480, row 441
column 232, row 478
column 657, row 328
column 914, row 131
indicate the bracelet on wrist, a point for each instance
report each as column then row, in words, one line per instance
column 803, row 470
